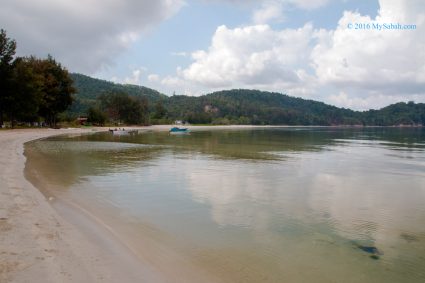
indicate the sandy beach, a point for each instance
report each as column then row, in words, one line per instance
column 38, row 245
column 42, row 242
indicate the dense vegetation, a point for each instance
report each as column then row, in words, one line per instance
column 34, row 90
column 31, row 89
column 89, row 89
column 247, row 107
column 124, row 108
column 396, row 114
column 258, row 108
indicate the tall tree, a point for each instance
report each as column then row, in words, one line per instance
column 56, row 90
column 160, row 110
column 96, row 116
column 121, row 107
column 7, row 52
column 24, row 103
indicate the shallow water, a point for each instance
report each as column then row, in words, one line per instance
column 254, row 205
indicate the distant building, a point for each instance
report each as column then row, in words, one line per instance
column 82, row 120
column 210, row 109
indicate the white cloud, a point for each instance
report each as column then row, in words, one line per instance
column 370, row 99
column 172, row 81
column 391, row 61
column 153, row 78
column 135, row 77
column 176, row 85
column 367, row 68
column 309, row 4
column 83, row 35
column 343, row 99
column 252, row 55
column 269, row 11
column 350, row 68
column 302, row 4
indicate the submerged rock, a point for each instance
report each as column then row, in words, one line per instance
column 375, row 253
column 369, row 249
column 375, row 257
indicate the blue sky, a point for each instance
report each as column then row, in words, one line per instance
column 304, row 48
column 192, row 27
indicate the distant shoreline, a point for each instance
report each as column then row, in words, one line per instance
column 199, row 126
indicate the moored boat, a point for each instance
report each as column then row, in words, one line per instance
column 177, row 130
column 122, row 132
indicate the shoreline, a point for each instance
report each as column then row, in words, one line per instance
column 38, row 245
column 43, row 241
column 60, row 241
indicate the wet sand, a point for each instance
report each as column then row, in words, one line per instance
column 45, row 240
column 38, row 245
column 41, row 242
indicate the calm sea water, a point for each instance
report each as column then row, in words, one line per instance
column 254, row 205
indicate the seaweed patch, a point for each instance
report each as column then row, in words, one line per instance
column 374, row 252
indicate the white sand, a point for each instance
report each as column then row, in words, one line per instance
column 37, row 245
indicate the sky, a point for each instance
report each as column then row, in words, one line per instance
column 358, row 54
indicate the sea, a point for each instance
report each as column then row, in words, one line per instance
column 254, row 204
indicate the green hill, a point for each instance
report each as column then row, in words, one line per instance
column 254, row 107
column 88, row 89
column 396, row 114
column 242, row 106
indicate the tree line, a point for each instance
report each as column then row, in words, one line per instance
column 119, row 108
column 34, row 90
column 242, row 106
column 38, row 90
column 31, row 89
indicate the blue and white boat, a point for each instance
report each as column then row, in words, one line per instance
column 177, row 130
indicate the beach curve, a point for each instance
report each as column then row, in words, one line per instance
column 38, row 245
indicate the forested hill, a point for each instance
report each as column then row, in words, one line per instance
column 243, row 106
column 88, row 90
column 258, row 107
column 396, row 114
